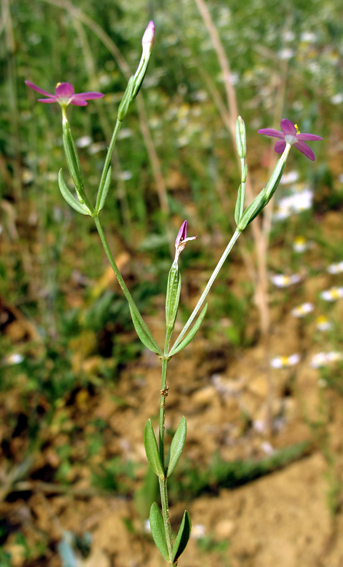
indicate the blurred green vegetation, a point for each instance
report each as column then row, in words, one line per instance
column 54, row 282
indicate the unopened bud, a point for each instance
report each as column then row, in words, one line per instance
column 241, row 139
column 148, row 39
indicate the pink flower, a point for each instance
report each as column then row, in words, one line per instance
column 65, row 95
column 290, row 135
column 181, row 240
column 148, row 39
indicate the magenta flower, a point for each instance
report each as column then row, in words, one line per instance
column 65, row 95
column 181, row 240
column 290, row 135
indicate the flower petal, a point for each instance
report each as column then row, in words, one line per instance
column 87, row 96
column 78, row 102
column 288, row 127
column 280, row 146
column 64, row 90
column 32, row 86
column 304, row 149
column 271, row 132
column 52, row 99
column 307, row 137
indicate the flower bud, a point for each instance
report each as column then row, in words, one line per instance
column 148, row 39
column 241, row 139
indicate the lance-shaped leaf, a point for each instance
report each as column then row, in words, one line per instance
column 69, row 197
column 126, row 100
column 173, row 296
column 253, row 210
column 191, row 333
column 103, row 190
column 72, row 157
column 151, row 450
column 183, row 536
column 274, row 181
column 158, row 531
column 177, row 445
column 144, row 333
column 240, row 203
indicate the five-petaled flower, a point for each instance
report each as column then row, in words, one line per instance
column 290, row 135
column 65, row 95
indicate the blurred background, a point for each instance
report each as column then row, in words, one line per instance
column 261, row 386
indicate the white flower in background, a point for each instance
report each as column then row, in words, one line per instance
column 124, row 175
column 309, row 37
column 14, row 358
column 332, row 294
column 323, row 358
column 300, row 245
column 281, row 214
column 337, row 98
column 96, row 147
column 340, row 178
column 318, row 360
column 334, row 356
column 290, row 177
column 285, row 361
column 335, row 268
column 280, row 280
column 198, row 531
column 289, row 35
column 302, row 310
column 297, row 202
column 323, row 323
column 124, row 133
column 84, row 142
column 286, row 54
column 267, row 448
column 302, row 200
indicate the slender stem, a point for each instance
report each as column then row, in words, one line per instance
column 165, row 515
column 163, row 482
column 207, row 288
column 163, row 394
column 109, row 152
column 117, row 272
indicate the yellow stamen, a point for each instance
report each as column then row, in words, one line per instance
column 284, row 360
column 297, row 129
column 58, row 84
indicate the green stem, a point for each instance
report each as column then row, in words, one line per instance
column 117, row 272
column 207, row 288
column 110, row 152
column 166, row 519
column 163, row 482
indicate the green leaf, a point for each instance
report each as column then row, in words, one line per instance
column 151, row 450
column 126, row 100
column 72, row 157
column 144, row 333
column 253, row 210
column 173, row 296
column 158, row 531
column 240, row 202
column 177, row 445
column 183, row 536
column 191, row 333
column 69, row 197
column 103, row 190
